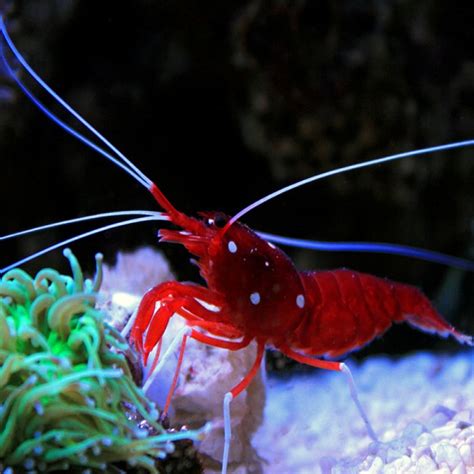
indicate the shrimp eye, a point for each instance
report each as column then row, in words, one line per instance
column 220, row 220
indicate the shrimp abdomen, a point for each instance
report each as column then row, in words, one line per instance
column 348, row 309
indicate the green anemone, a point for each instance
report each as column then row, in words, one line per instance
column 67, row 396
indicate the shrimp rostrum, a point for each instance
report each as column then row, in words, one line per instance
column 252, row 291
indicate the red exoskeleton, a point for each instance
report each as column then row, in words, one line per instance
column 253, row 291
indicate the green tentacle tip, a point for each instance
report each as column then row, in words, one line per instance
column 61, row 365
column 76, row 269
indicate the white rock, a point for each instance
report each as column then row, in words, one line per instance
column 425, row 439
column 459, row 469
column 447, row 431
column 376, row 467
column 418, row 452
column 465, row 415
column 443, row 470
column 425, row 464
column 402, row 464
column 447, row 453
column 136, row 272
column 207, row 374
column 466, row 453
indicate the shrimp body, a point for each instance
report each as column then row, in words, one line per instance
column 348, row 309
column 259, row 294
column 257, row 289
column 264, row 291
column 254, row 292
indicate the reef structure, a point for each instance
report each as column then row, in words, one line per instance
column 68, row 399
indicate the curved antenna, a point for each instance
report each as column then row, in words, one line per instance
column 62, row 102
column 373, row 247
column 78, row 237
column 126, row 164
column 137, row 174
column 344, row 169
column 66, row 127
column 158, row 215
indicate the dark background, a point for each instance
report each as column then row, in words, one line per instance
column 223, row 102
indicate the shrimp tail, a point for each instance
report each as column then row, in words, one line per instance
column 347, row 309
column 420, row 313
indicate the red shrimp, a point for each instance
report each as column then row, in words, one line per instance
column 257, row 293
column 261, row 296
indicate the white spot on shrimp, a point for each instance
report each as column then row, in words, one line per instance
column 300, row 301
column 255, row 298
column 271, row 245
column 232, row 246
column 267, row 264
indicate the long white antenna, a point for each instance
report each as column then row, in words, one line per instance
column 344, row 169
column 158, row 215
column 81, row 236
column 132, row 169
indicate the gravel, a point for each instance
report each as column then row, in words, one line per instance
column 421, row 407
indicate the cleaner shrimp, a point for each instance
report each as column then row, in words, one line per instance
column 255, row 290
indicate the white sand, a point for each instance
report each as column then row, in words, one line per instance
column 421, row 407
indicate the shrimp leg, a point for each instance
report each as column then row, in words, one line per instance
column 183, row 334
column 171, row 297
column 339, row 367
column 229, row 396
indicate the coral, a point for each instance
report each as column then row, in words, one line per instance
column 135, row 272
column 67, row 396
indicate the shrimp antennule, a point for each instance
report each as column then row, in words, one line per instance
column 76, row 220
column 79, row 237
